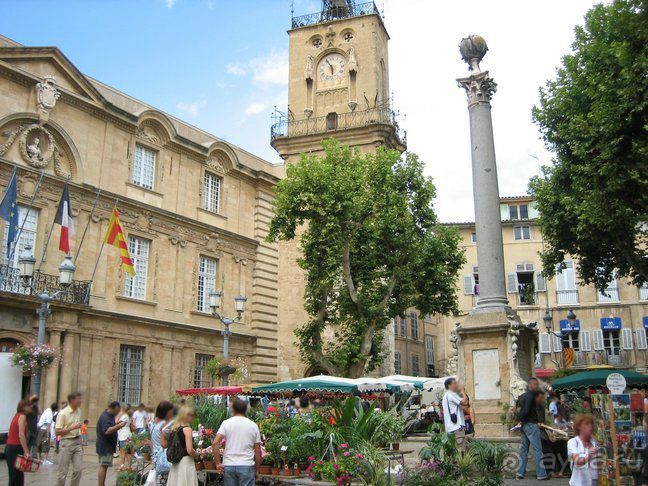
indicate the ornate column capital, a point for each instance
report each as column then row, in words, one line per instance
column 479, row 88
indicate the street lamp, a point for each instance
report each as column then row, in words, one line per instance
column 548, row 322
column 26, row 264
column 215, row 297
column 571, row 318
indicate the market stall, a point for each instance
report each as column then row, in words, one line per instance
column 597, row 378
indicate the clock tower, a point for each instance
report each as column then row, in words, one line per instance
column 338, row 87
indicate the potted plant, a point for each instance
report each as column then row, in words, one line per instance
column 208, row 460
column 266, row 465
column 126, row 478
column 295, row 469
column 145, row 451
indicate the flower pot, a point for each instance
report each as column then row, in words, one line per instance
column 275, row 471
column 265, row 469
column 395, row 446
column 295, row 471
column 211, row 465
column 199, row 466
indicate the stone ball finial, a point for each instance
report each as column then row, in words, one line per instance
column 473, row 49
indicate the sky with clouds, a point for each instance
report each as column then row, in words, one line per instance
column 222, row 65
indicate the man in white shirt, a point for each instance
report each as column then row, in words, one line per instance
column 140, row 418
column 242, row 453
column 453, row 416
column 44, row 431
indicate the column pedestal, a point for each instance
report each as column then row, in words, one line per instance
column 492, row 350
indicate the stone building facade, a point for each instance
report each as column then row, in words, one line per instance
column 611, row 325
column 338, row 86
column 196, row 211
column 414, row 339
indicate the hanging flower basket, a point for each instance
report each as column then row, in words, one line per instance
column 32, row 356
column 235, row 368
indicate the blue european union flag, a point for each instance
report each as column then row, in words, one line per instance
column 9, row 210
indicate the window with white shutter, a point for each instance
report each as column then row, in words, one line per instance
column 468, row 285
column 541, row 283
column 544, row 343
column 429, row 350
column 626, row 339
column 640, row 340
column 556, row 343
column 598, row 340
column 511, row 283
column 585, row 341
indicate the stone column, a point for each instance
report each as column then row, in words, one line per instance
column 52, row 374
column 67, row 371
column 489, row 344
column 480, row 87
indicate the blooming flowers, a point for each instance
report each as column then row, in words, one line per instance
column 32, row 356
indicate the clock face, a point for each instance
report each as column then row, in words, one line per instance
column 332, row 71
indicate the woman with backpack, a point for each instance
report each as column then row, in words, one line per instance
column 180, row 450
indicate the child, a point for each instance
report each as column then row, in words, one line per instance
column 84, row 433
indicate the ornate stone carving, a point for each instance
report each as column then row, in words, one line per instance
column 330, row 36
column 46, row 96
column 148, row 134
column 177, row 240
column 353, row 62
column 308, row 112
column 452, row 367
column 308, row 72
column 479, row 87
column 216, row 162
column 242, row 260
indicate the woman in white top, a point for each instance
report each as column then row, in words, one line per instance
column 582, row 451
column 124, row 436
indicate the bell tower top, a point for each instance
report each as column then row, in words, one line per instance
column 338, row 81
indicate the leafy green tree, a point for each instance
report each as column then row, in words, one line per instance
column 371, row 248
column 593, row 199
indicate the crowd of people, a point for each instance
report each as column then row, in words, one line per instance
column 553, row 458
column 236, row 447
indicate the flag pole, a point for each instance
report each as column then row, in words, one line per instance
column 94, row 205
column 49, row 236
column 29, row 208
column 103, row 243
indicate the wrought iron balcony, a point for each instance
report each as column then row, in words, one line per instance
column 77, row 293
column 335, row 10
column 381, row 115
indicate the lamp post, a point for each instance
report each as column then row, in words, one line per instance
column 548, row 322
column 215, row 303
column 26, row 264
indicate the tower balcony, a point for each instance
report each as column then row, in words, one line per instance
column 78, row 292
column 338, row 122
column 335, row 10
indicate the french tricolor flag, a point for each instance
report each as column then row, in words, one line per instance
column 64, row 218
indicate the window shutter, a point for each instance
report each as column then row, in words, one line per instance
column 545, row 343
column 626, row 339
column 468, row 284
column 511, row 282
column 557, row 343
column 598, row 340
column 584, row 338
column 541, row 284
column 641, row 339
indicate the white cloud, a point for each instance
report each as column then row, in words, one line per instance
column 255, row 108
column 170, row 3
column 268, row 70
column 191, row 109
column 236, row 69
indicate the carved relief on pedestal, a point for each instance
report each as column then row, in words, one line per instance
column 452, row 368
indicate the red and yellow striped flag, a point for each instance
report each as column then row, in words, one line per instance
column 115, row 237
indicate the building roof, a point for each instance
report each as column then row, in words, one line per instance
column 135, row 107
